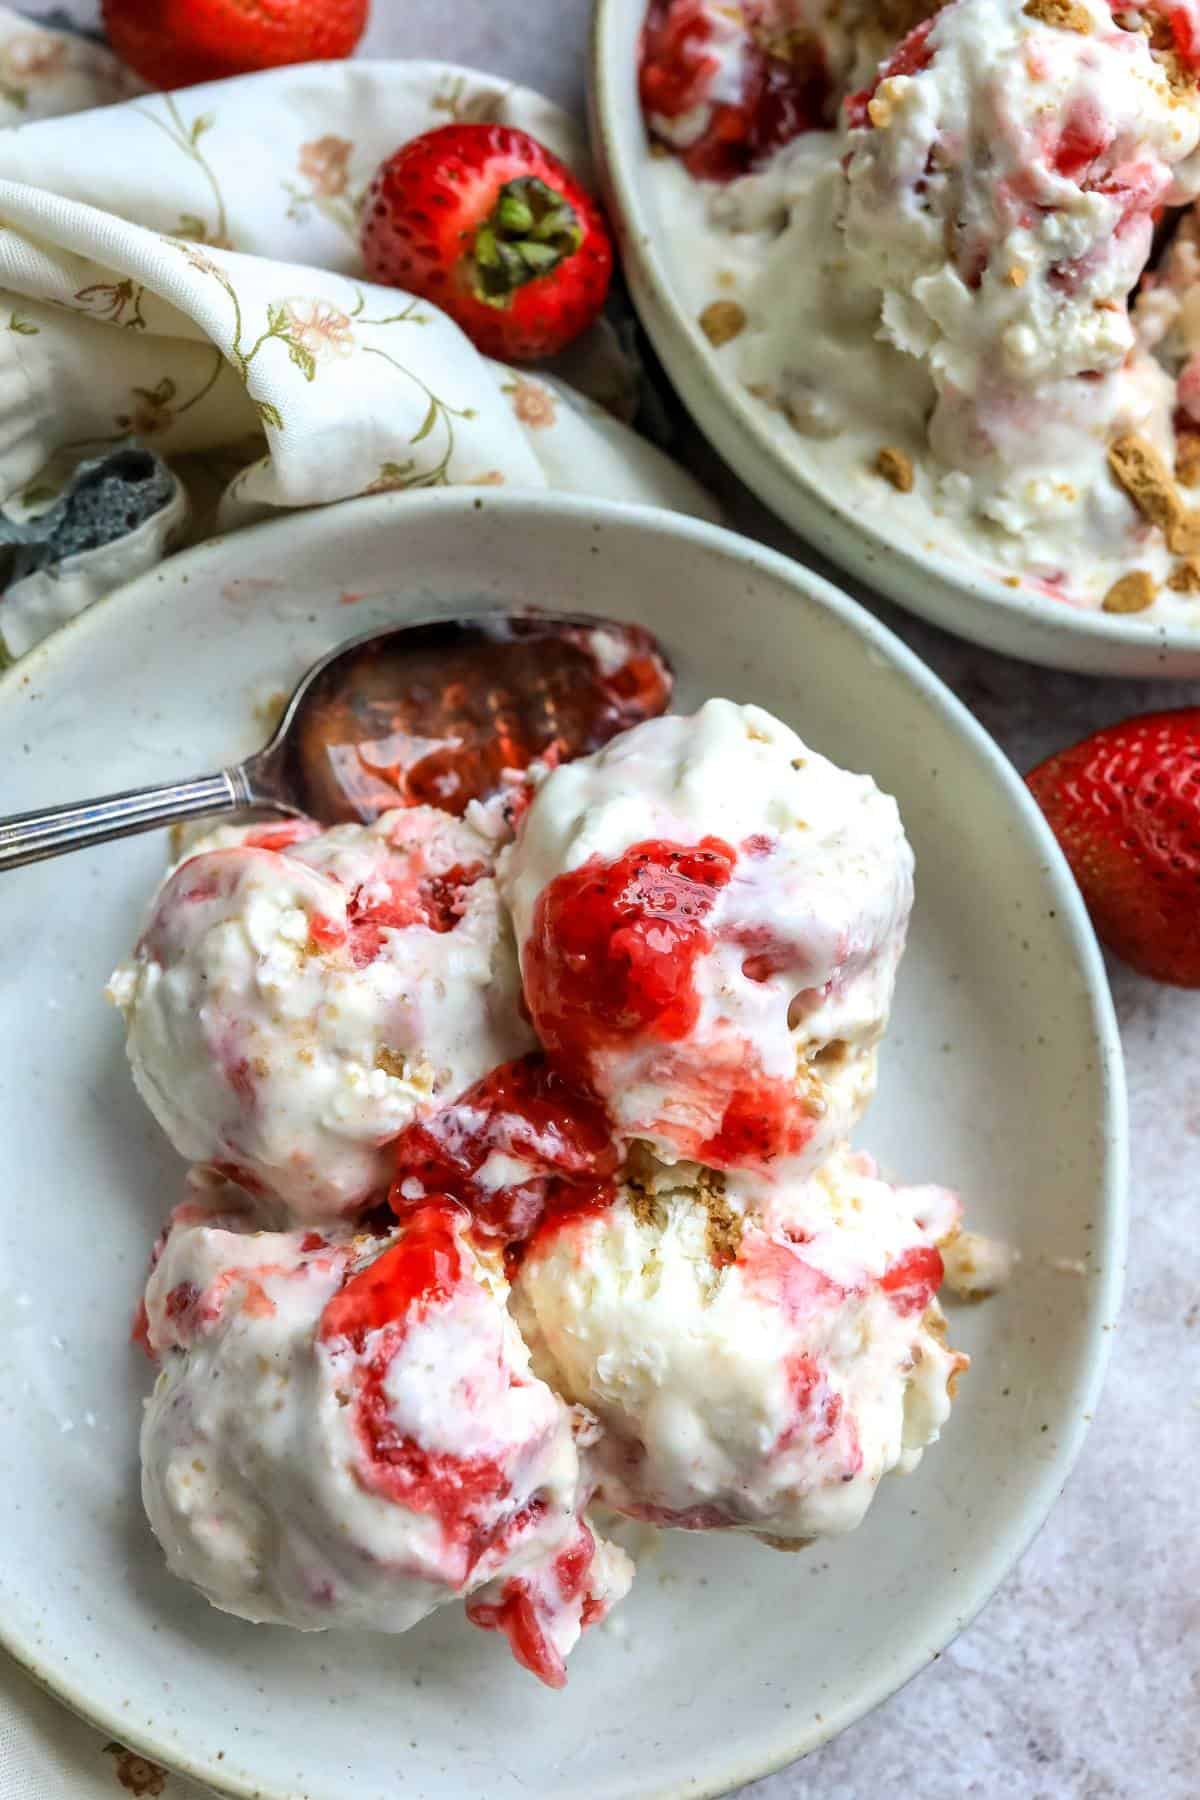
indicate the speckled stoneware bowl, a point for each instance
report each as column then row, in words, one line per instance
column 1001, row 1075
column 784, row 469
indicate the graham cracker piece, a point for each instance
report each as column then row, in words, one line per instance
column 723, row 1230
column 1066, row 15
column 721, row 321
column 1145, row 477
column 1133, row 593
column 1187, row 458
column 1185, row 576
column 895, row 466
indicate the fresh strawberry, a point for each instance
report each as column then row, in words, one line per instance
column 173, row 43
column 484, row 221
column 1125, row 806
column 784, row 84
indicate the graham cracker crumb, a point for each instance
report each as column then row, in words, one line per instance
column 1016, row 276
column 779, row 1543
column 647, row 1208
column 269, row 711
column 895, row 466
column 1133, row 593
column 1012, row 581
column 961, row 1364
column 1181, row 80
column 722, row 320
column 1187, row 458
column 637, row 1174
column 1145, row 477
column 879, row 107
column 1185, row 577
column 1067, row 15
column 391, row 1063
column 723, row 1231
column 1183, row 537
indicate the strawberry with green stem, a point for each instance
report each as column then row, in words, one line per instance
column 490, row 226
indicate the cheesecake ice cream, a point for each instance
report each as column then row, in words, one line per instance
column 754, row 1368
column 297, row 996
column 710, row 916
column 932, row 287
column 346, row 1433
column 524, row 1188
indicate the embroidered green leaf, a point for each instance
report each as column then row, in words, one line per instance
column 428, row 422
column 304, row 359
column 21, row 326
column 191, row 225
column 270, row 415
column 200, row 124
column 18, row 97
column 162, row 395
column 276, row 317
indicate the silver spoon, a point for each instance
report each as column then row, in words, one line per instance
column 433, row 711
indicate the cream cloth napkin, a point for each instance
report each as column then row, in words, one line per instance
column 185, row 268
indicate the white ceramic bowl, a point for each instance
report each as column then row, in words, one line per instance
column 1001, row 1075
column 761, row 447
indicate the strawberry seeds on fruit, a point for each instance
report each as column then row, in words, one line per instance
column 489, row 225
column 174, row 43
column 1124, row 805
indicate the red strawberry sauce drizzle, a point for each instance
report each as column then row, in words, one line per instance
column 610, row 963
column 372, row 1314
column 526, row 1606
column 613, row 946
column 434, row 901
column 782, row 94
column 525, row 1110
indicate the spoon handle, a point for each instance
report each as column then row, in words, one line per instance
column 34, row 836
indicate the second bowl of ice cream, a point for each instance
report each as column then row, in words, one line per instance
column 915, row 278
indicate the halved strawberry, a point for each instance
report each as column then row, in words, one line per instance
column 1125, row 806
column 487, row 223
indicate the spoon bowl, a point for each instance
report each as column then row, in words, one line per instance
column 438, row 712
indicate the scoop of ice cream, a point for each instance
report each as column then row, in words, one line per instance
column 297, row 996
column 346, row 1433
column 710, row 917
column 998, row 196
column 752, row 1369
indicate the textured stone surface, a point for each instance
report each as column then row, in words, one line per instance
column 1081, row 1679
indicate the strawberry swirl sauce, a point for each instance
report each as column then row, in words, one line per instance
column 610, row 967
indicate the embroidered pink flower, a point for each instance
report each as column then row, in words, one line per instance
column 32, row 56
column 319, row 327
column 151, row 411
column 533, row 404
column 323, row 164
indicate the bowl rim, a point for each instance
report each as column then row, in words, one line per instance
column 1039, row 1496
column 839, row 531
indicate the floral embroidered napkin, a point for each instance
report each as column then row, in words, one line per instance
column 184, row 268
